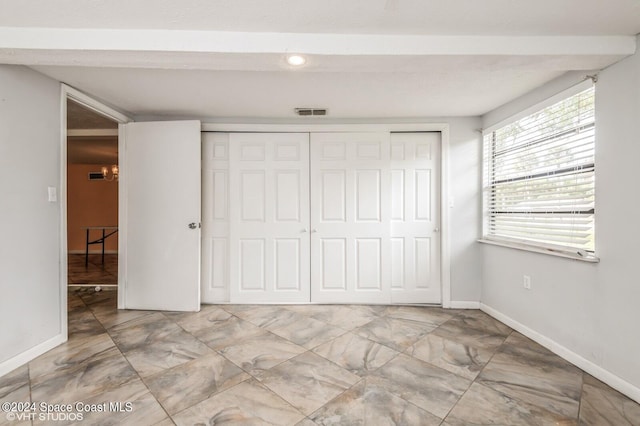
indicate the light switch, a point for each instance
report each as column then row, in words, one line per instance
column 53, row 194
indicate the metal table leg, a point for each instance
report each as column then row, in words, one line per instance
column 86, row 251
column 103, row 246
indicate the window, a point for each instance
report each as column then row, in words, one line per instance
column 540, row 176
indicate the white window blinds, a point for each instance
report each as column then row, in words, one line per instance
column 539, row 178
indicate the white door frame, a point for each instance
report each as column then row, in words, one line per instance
column 443, row 128
column 68, row 92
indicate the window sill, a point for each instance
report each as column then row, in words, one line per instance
column 542, row 250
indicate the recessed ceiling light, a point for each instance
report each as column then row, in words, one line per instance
column 296, row 60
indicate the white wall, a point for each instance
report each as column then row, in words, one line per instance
column 465, row 165
column 30, row 315
column 591, row 312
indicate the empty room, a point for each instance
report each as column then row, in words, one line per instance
column 382, row 212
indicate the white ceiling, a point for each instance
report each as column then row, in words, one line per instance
column 79, row 117
column 91, row 138
column 445, row 17
column 367, row 58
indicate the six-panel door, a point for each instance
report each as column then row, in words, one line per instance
column 350, row 218
column 415, row 217
column 360, row 225
column 269, row 217
column 215, row 217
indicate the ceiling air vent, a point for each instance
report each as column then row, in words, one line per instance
column 305, row 112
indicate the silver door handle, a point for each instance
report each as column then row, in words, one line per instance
column 303, row 230
column 436, row 230
column 314, row 231
column 193, row 225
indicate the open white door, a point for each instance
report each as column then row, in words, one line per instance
column 161, row 178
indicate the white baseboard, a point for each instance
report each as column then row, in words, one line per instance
column 26, row 356
column 464, row 304
column 92, row 251
column 595, row 370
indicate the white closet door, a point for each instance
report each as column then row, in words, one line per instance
column 415, row 217
column 269, row 217
column 215, row 217
column 350, row 218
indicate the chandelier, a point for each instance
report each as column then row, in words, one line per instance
column 114, row 173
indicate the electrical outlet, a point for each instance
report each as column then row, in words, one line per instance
column 526, row 282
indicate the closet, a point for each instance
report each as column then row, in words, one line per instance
column 321, row 217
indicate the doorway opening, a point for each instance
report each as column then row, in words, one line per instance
column 92, row 199
column 90, row 139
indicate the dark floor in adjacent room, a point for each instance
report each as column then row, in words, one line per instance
column 94, row 271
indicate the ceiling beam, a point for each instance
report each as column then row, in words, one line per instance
column 14, row 40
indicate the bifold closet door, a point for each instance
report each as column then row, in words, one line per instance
column 350, row 218
column 415, row 217
column 326, row 217
column 269, row 217
column 215, row 217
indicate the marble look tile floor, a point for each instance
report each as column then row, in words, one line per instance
column 307, row 365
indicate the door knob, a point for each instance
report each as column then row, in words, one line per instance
column 193, row 225
column 304, row 230
column 314, row 231
column 436, row 230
